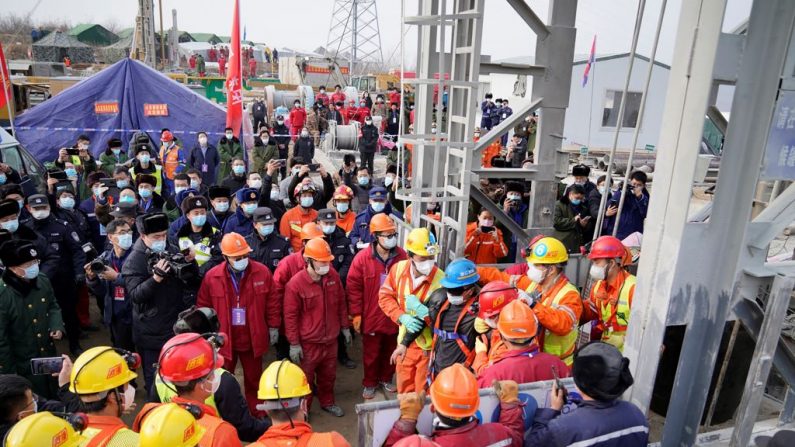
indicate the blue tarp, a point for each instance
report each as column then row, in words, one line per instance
column 130, row 84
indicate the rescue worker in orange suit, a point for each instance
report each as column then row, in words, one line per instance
column 287, row 268
column 188, row 363
column 342, row 204
column 295, row 218
column 493, row 297
column 493, row 150
column 368, row 271
column 555, row 301
column 521, row 361
column 410, row 282
column 484, row 242
column 285, row 393
column 297, row 119
column 314, row 313
column 455, row 400
column 241, row 291
column 611, row 294
column 452, row 311
column 173, row 157
column 101, row 378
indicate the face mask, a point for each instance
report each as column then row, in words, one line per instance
column 32, row 272
column 368, row 122
column 425, row 267
column 11, row 225
column 256, row 184
column 240, row 264
column 328, row 229
column 321, row 270
column 128, row 398
column 297, row 105
column 21, row 203
column 179, row 189
column 307, row 202
column 274, row 194
column 40, row 214
column 97, row 192
column 343, row 207
column 116, row 152
column 295, row 170
column 215, row 383
column 239, row 170
column 535, row 274
column 388, row 181
column 514, row 198
column 249, row 208
column 195, row 184
column 144, row 158
column 126, row 199
column 264, row 140
column 203, row 141
column 598, row 273
column 390, row 242
column 304, row 134
column 491, row 322
column 265, row 230
column 364, row 181
column 487, row 223
column 122, row 183
column 221, row 207
column 499, row 104
column 3, row 179
column 322, row 91
column 145, row 193
column 575, row 202
column 378, row 206
column 125, row 241
column 158, row 246
column 455, row 300
column 70, row 172
column 229, row 136
column 67, row 203
column 280, row 121
column 433, row 130
column 579, row 182
column 199, row 220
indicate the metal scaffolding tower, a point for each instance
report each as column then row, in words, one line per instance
column 354, row 34
column 143, row 45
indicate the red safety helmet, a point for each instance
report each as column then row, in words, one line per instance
column 607, row 247
column 187, row 357
column 343, row 192
column 494, row 296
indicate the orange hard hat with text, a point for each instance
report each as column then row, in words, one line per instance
column 381, row 222
column 319, row 250
column 517, row 321
column 311, row 230
column 454, row 393
column 234, row 244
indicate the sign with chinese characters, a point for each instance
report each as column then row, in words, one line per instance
column 649, row 148
column 155, row 109
column 106, row 108
column 779, row 162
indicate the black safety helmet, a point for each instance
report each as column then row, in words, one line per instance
column 201, row 320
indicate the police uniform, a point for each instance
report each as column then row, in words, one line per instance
column 216, row 219
column 270, row 249
column 205, row 244
column 126, row 210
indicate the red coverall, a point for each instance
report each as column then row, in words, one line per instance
column 394, row 98
column 484, row 248
column 314, row 312
column 509, row 431
column 379, row 334
column 252, row 67
column 338, row 97
column 362, row 113
column 322, row 97
column 222, row 66
column 249, row 342
column 285, row 270
column 297, row 121
column 524, row 366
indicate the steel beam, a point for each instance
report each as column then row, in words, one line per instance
column 496, row 132
column 516, row 229
column 529, row 16
column 512, row 69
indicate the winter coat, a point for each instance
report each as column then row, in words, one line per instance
column 607, row 424
column 484, row 248
column 227, row 151
column 238, row 223
column 269, row 250
column 198, row 161
column 365, row 276
column 567, row 230
column 369, row 139
column 115, row 310
column 256, row 295
column 632, row 214
column 314, row 312
column 108, row 161
column 523, row 366
column 342, row 250
column 297, row 117
column 261, row 155
column 305, row 148
column 234, row 182
column 361, row 227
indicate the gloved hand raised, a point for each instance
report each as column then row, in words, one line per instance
column 413, row 304
column 296, row 354
column 506, row 390
column 412, row 324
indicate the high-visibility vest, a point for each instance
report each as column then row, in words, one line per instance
column 201, row 249
column 158, row 176
column 403, row 276
column 170, row 157
column 101, row 437
column 560, row 345
column 616, row 319
column 166, row 392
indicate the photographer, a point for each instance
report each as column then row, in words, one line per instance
column 157, row 293
column 106, row 281
column 484, row 241
column 514, row 206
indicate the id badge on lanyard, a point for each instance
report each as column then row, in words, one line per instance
column 238, row 312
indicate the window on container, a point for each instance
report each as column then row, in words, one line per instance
column 612, row 102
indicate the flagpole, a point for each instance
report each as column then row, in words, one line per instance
column 10, row 88
column 593, row 82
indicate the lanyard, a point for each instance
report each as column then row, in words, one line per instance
column 146, row 204
column 236, row 285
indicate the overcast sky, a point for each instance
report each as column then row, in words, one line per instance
column 304, row 24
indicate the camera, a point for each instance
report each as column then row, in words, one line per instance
column 179, row 267
column 97, row 266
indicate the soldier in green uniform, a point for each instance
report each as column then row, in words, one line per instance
column 30, row 318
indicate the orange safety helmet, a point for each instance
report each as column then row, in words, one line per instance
column 382, row 222
column 494, row 296
column 318, row 250
column 454, row 393
column 343, row 192
column 517, row 321
column 311, row 230
column 187, row 357
column 234, row 244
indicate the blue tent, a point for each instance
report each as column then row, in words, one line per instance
column 115, row 103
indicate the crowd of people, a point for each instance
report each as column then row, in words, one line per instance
column 199, row 259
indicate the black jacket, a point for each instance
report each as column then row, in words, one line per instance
column 282, row 136
column 49, row 259
column 305, row 148
column 342, row 249
column 232, row 408
column 321, row 197
column 269, row 250
column 156, row 305
column 277, row 206
column 66, row 242
column 234, row 183
column 369, row 139
column 120, row 310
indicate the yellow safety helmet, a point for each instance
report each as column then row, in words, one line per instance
column 45, row 429
column 171, row 425
column 102, row 368
column 422, row 242
column 547, row 250
column 283, row 380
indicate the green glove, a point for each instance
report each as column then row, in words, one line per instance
column 412, row 324
column 413, row 304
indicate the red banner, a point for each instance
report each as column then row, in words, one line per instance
column 5, row 81
column 155, row 109
column 106, row 108
column 234, row 80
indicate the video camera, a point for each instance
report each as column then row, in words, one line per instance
column 179, row 267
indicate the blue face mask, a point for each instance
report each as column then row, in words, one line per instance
column 67, row 203
column 343, row 207
column 265, row 230
column 144, row 158
column 11, row 225
column 575, row 202
column 363, row 181
column 125, row 241
column 378, row 206
column 32, row 272
column 21, row 204
column 3, row 179
column 307, row 202
column 145, row 193
column 194, row 184
column 240, row 264
column 158, row 246
column 199, row 220
column 239, row 170
column 179, row 189
column 126, row 199
column 70, row 172
column 221, row 207
column 116, row 152
column 249, row 208
column 122, row 183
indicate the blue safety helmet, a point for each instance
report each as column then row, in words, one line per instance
column 460, row 273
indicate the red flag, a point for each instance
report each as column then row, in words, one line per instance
column 234, row 80
column 5, row 81
column 591, row 62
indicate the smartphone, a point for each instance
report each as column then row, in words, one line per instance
column 313, row 167
column 108, row 182
column 72, row 151
column 613, row 203
column 559, row 385
column 281, row 161
column 59, row 175
column 46, row 365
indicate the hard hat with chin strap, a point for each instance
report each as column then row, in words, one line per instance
column 548, row 250
column 282, row 385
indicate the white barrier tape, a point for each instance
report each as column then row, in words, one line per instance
column 176, row 132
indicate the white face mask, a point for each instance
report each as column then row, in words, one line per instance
column 128, row 399
column 487, row 223
column 40, row 214
column 535, row 274
column 424, row 267
column 321, row 269
column 455, row 300
column 597, row 273
column 203, row 141
column 256, row 184
column 215, row 383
